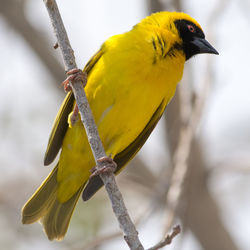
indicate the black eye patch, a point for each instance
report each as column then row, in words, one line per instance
column 188, row 30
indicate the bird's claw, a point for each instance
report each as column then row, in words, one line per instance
column 74, row 75
column 108, row 166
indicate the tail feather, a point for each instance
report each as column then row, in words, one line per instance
column 37, row 206
column 44, row 206
column 56, row 221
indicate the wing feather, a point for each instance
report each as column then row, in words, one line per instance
column 59, row 129
column 60, row 125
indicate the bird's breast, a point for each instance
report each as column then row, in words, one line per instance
column 124, row 98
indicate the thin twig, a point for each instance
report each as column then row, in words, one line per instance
column 180, row 163
column 168, row 239
column 128, row 228
column 187, row 134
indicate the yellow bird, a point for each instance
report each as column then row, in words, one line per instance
column 131, row 79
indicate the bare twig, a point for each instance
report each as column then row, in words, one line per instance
column 128, row 228
column 180, row 160
column 168, row 239
column 187, row 133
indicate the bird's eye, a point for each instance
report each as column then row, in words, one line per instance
column 191, row 28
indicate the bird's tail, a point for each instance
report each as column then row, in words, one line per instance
column 44, row 206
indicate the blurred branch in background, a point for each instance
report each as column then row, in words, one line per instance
column 197, row 209
column 14, row 13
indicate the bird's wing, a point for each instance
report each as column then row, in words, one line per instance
column 127, row 154
column 60, row 125
column 59, row 129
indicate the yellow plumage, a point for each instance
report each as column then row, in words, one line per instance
column 130, row 81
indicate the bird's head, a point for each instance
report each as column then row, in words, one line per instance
column 193, row 38
column 188, row 31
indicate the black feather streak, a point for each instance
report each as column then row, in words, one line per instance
column 173, row 49
column 153, row 42
column 160, row 42
column 155, row 49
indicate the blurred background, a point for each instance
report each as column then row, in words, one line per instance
column 205, row 135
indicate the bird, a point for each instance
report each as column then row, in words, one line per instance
column 130, row 81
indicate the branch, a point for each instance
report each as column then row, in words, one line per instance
column 182, row 154
column 187, row 133
column 186, row 129
column 200, row 211
column 168, row 239
column 128, row 228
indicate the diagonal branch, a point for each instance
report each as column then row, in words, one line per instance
column 128, row 228
column 181, row 156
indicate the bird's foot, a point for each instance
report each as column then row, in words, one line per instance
column 74, row 75
column 108, row 166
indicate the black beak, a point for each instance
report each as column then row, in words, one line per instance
column 203, row 46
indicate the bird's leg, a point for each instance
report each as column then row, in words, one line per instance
column 74, row 75
column 108, row 165
column 74, row 116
